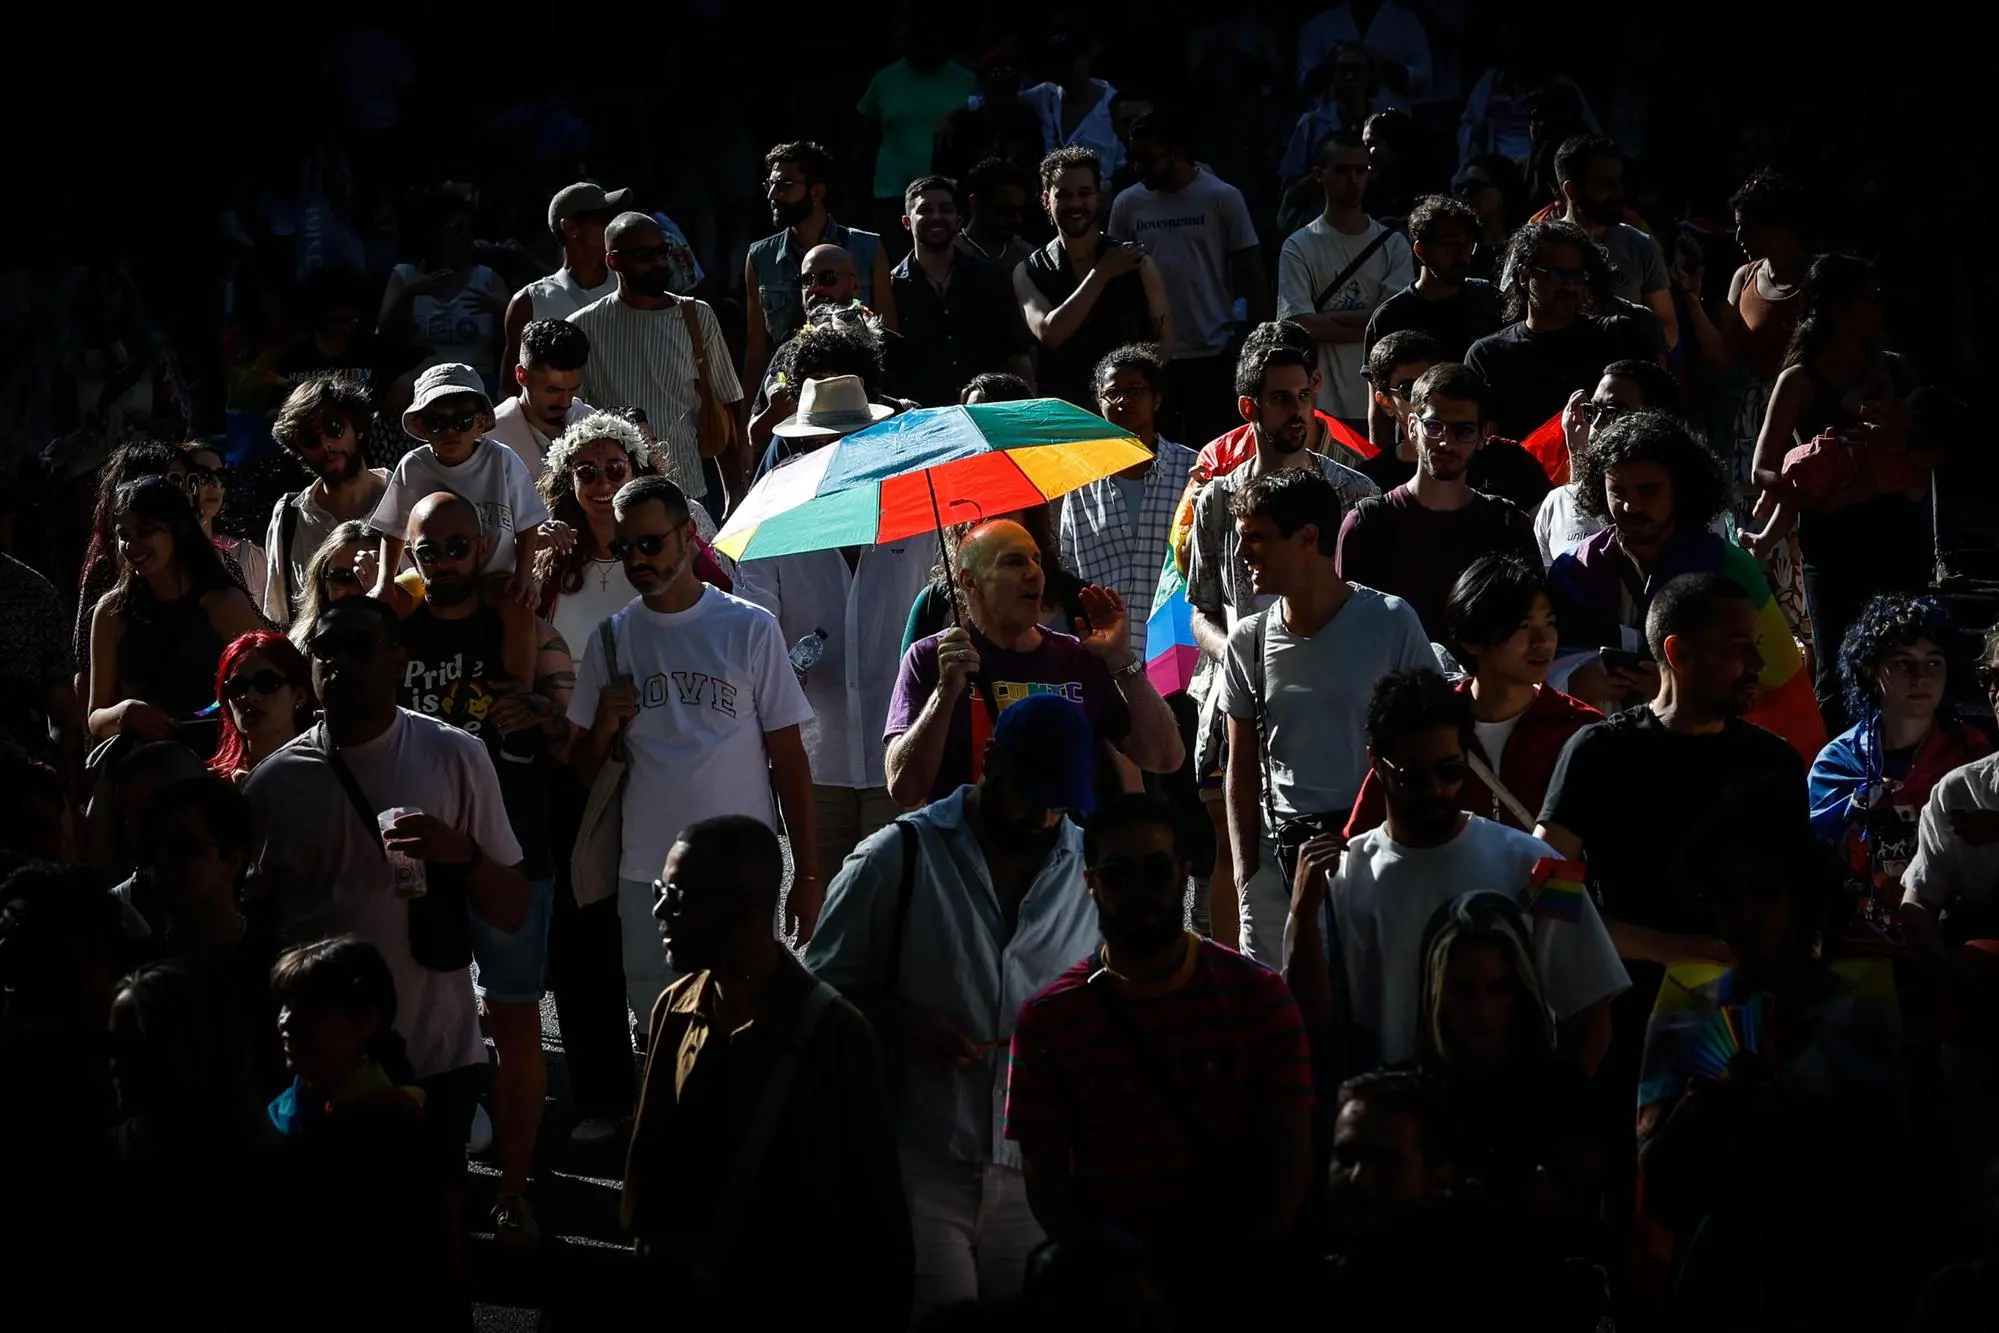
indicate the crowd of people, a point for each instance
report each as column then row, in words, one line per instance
column 1550, row 879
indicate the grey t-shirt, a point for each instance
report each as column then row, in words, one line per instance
column 1635, row 259
column 1317, row 690
column 1192, row 234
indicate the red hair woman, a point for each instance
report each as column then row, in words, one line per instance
column 264, row 688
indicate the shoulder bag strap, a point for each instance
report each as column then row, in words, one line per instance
column 1152, row 1065
column 1366, row 253
column 352, row 786
column 1262, row 713
column 1498, row 790
column 698, row 348
column 607, row 644
column 287, row 532
column 905, row 890
column 770, row 1108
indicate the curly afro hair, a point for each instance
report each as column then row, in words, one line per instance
column 1701, row 485
column 1891, row 621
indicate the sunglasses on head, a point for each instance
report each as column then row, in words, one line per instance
column 328, row 428
column 647, row 254
column 1461, row 432
column 646, row 544
column 451, row 548
column 456, row 423
column 1602, row 414
column 238, row 688
column 615, row 472
column 825, row 277
column 1155, row 870
column 336, row 644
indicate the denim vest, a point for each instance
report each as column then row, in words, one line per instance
column 774, row 260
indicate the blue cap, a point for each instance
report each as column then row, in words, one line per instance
column 1053, row 752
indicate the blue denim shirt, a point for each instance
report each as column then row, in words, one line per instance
column 959, row 960
column 775, row 260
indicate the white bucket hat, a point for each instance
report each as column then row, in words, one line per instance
column 444, row 381
column 837, row 405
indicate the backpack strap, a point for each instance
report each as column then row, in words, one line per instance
column 770, row 1108
column 287, row 533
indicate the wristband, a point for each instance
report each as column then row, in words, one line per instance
column 1129, row 669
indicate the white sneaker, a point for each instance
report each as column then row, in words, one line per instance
column 481, row 1137
column 514, row 1224
column 598, row 1131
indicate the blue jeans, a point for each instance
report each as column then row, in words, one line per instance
column 513, row 968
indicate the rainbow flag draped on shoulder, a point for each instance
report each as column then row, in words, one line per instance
column 1586, row 585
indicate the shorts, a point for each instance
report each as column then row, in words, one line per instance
column 513, row 968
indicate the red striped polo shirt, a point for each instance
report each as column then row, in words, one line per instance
column 1232, row 1038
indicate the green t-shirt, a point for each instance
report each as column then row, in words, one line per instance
column 910, row 104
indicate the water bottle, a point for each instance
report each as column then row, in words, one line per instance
column 805, row 654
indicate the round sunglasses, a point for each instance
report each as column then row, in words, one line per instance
column 451, row 548
column 617, row 471
column 238, row 688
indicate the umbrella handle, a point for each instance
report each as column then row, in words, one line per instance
column 951, row 588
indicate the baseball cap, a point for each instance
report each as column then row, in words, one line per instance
column 1048, row 739
column 585, row 197
column 443, row 381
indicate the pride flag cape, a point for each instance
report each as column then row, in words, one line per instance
column 1585, row 585
column 1170, row 651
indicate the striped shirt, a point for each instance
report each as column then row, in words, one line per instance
column 1232, row 1038
column 1105, row 544
column 642, row 358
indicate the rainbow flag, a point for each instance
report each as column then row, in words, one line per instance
column 1170, row 652
column 1784, row 703
column 1555, row 890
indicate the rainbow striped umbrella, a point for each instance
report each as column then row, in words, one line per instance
column 919, row 471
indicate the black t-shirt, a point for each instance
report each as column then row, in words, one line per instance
column 1531, row 374
column 1456, row 322
column 453, row 666
column 1633, row 791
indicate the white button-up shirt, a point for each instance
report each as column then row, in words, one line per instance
column 864, row 610
column 960, row 959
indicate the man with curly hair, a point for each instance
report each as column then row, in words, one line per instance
column 1567, row 326
column 1658, row 488
column 321, row 426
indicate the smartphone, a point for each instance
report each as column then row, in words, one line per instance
column 1621, row 659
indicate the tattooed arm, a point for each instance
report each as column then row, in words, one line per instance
column 554, row 666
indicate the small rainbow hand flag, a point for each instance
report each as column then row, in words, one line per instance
column 1555, row 890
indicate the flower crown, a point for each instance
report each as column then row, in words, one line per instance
column 601, row 426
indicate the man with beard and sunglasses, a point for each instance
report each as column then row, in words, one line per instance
column 1085, row 293
column 798, row 178
column 320, row 425
column 642, row 355
column 1415, row 540
column 1590, row 169
column 1162, row 1085
column 456, row 646
column 1355, row 935
column 939, row 927
column 698, row 683
column 958, row 313
column 322, row 865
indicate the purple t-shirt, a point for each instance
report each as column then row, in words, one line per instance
column 1059, row 665
column 1394, row 544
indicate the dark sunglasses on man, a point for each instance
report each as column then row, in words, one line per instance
column 332, row 645
column 239, row 687
column 451, row 548
column 455, row 423
column 1415, row 777
column 817, row 278
column 646, row 254
column 327, row 428
column 646, row 544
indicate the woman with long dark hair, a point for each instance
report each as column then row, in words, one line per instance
column 208, row 490
column 128, row 462
column 1870, row 783
column 156, row 637
column 584, row 583
column 265, row 689
column 1839, row 378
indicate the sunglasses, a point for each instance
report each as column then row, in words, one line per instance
column 1156, row 870
column 456, row 423
column 1446, row 773
column 314, row 432
column 1461, row 432
column 336, row 644
column 199, row 479
column 451, row 548
column 1403, row 389
column 238, row 688
column 825, row 277
column 1602, row 414
column 614, row 472
column 343, row 577
column 647, row 254
column 648, row 544
column 1559, row 274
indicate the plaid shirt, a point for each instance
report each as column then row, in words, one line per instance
column 1217, row 580
column 1104, row 544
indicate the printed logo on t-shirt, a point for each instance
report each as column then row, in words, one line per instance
column 1007, row 693
column 450, row 691
column 1142, row 225
column 495, row 516
column 688, row 689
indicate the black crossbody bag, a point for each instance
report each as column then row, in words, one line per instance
column 440, row 927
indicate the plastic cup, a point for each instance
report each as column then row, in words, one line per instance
column 405, row 870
